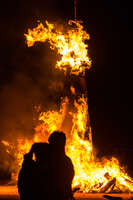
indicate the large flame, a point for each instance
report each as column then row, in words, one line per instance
column 91, row 174
column 70, row 45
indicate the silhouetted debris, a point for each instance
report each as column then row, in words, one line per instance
column 111, row 197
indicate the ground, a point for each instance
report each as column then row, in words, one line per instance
column 10, row 193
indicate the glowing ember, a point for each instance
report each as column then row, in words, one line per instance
column 70, row 45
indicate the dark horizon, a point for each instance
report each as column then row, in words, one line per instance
column 22, row 83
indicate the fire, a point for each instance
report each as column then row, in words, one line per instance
column 91, row 174
column 52, row 120
column 70, row 45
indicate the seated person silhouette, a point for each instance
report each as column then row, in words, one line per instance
column 33, row 176
column 61, row 167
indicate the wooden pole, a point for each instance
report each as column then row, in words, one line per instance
column 75, row 9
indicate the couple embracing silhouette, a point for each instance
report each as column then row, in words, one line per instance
column 50, row 175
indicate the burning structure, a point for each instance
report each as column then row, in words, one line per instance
column 72, row 117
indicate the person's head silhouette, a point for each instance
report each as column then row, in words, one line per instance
column 57, row 140
column 41, row 151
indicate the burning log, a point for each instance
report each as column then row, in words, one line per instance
column 109, row 185
column 129, row 181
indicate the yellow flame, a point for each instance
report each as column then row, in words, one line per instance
column 89, row 171
column 91, row 174
column 69, row 44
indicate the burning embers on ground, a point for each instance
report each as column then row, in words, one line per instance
column 91, row 174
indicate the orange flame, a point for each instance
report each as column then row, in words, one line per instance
column 70, row 45
column 90, row 173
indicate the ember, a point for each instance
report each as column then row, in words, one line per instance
column 91, row 174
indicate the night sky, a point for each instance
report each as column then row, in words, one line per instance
column 23, row 82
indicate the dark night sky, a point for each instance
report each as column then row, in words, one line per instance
column 110, row 50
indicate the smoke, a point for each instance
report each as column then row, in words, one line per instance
column 5, row 161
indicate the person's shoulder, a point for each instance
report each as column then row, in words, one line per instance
column 68, row 160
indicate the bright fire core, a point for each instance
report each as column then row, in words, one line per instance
column 69, row 44
column 91, row 174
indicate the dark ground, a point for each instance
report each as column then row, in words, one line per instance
column 78, row 197
column 10, row 193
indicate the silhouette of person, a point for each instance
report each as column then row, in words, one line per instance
column 25, row 183
column 42, row 173
column 50, row 175
column 33, row 176
column 61, row 168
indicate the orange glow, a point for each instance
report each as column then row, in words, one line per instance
column 8, row 191
column 89, row 171
column 91, row 174
column 69, row 44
